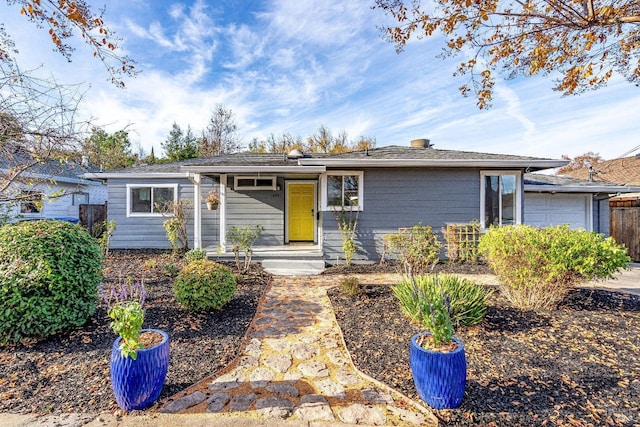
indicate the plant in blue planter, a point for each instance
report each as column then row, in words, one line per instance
column 438, row 362
column 139, row 357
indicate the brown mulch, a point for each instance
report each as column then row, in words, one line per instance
column 389, row 267
column 69, row 372
column 577, row 365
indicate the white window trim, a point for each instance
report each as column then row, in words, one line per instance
column 255, row 187
column 152, row 186
column 519, row 195
column 323, row 190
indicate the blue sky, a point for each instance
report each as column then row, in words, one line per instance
column 294, row 65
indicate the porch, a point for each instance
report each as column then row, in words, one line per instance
column 281, row 252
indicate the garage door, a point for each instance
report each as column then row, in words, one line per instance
column 542, row 210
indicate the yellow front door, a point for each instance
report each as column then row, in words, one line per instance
column 301, row 211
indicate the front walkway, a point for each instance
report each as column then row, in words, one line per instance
column 295, row 366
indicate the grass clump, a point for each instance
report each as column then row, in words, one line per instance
column 465, row 300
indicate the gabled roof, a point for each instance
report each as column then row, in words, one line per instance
column 620, row 171
column 391, row 156
column 564, row 184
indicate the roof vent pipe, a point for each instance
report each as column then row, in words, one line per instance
column 295, row 154
column 421, row 143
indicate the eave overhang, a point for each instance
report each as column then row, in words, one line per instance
column 458, row 163
column 136, row 175
column 254, row 169
column 608, row 189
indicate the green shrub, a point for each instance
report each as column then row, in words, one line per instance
column 466, row 299
column 171, row 269
column 350, row 285
column 49, row 277
column 195, row 254
column 416, row 248
column 242, row 239
column 204, row 285
column 537, row 266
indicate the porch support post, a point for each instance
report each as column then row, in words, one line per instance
column 222, row 212
column 197, row 212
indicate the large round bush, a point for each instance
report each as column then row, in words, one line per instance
column 49, row 277
column 537, row 266
column 204, row 285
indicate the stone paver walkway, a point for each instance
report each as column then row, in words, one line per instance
column 295, row 366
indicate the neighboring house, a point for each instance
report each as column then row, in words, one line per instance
column 295, row 196
column 619, row 171
column 57, row 189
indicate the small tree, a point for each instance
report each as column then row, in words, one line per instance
column 243, row 239
column 176, row 216
column 348, row 225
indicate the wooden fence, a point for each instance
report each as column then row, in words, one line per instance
column 624, row 224
column 92, row 217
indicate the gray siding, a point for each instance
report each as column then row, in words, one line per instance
column 396, row 198
column 142, row 232
column 264, row 207
column 601, row 215
column 210, row 225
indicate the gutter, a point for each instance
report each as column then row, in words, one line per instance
column 550, row 188
column 394, row 163
column 141, row 175
column 256, row 169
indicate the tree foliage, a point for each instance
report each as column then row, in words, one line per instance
column 322, row 141
column 64, row 20
column 584, row 41
column 586, row 160
column 180, row 145
column 109, row 151
column 221, row 134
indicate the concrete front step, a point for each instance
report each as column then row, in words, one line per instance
column 293, row 267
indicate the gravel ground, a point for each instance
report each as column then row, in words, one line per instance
column 577, row 365
column 69, row 372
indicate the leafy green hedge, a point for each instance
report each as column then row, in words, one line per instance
column 49, row 277
column 204, row 285
column 537, row 266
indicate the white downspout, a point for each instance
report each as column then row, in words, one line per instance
column 197, row 211
column 222, row 215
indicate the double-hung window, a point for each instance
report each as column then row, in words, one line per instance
column 144, row 200
column 500, row 197
column 343, row 189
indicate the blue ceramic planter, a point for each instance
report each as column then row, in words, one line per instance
column 440, row 378
column 137, row 383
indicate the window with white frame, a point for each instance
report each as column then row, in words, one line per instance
column 254, row 182
column 143, row 200
column 500, row 197
column 343, row 189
